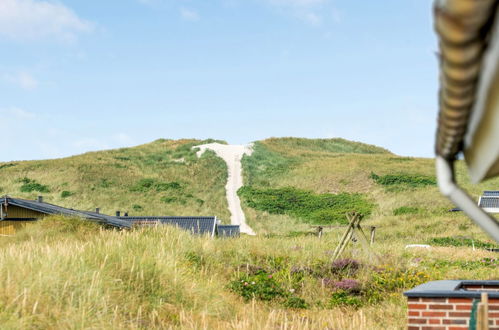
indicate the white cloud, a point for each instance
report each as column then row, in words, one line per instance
column 189, row 15
column 22, row 79
column 17, row 113
column 32, row 19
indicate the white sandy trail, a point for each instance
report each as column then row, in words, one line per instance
column 232, row 155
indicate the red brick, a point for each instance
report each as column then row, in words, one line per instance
column 417, row 306
column 434, row 321
column 412, row 299
column 463, row 307
column 460, row 300
column 457, row 328
column 459, row 314
column 437, row 300
column 413, row 328
column 418, row 321
column 446, row 307
column 493, row 301
column 433, row 314
column 494, row 307
column 455, row 321
column 497, row 322
column 494, row 315
column 413, row 313
column 433, row 328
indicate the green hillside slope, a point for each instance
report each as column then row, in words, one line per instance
column 283, row 277
column 160, row 178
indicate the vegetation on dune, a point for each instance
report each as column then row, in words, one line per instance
column 305, row 205
column 264, row 164
column 404, row 180
column 29, row 185
column 162, row 277
column 461, row 241
column 133, row 180
column 336, row 145
column 166, row 278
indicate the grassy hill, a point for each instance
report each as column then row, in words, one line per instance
column 160, row 178
column 70, row 273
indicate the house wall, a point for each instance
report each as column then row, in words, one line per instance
column 8, row 228
column 449, row 313
column 21, row 213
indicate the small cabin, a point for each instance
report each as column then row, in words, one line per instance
column 16, row 213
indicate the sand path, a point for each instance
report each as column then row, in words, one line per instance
column 232, row 155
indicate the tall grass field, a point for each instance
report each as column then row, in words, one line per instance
column 73, row 274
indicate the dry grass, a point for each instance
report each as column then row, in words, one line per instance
column 61, row 273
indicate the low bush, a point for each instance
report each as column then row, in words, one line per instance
column 406, row 210
column 66, row 194
column 306, row 205
column 7, row 165
column 407, row 180
column 30, row 185
column 343, row 298
column 261, row 286
column 145, row 185
column 461, row 241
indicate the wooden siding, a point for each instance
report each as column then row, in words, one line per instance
column 21, row 213
column 8, row 228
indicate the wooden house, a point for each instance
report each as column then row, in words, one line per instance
column 16, row 212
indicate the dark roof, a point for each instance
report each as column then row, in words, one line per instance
column 489, row 202
column 491, row 193
column 197, row 225
column 228, row 230
column 47, row 208
column 452, row 289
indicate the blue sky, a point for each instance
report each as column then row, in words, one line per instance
column 77, row 76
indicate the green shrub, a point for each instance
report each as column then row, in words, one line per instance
column 7, row 165
column 460, row 241
column 295, row 302
column 407, row 180
column 173, row 199
column 105, row 183
column 464, row 264
column 261, row 286
column 145, row 185
column 390, row 279
column 264, row 164
column 66, row 193
column 137, row 207
column 406, row 210
column 343, row 298
column 31, row 185
column 306, row 205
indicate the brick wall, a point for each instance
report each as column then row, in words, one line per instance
column 446, row 313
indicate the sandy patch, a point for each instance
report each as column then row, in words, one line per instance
column 232, row 155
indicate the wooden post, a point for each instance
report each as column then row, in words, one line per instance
column 319, row 231
column 373, row 233
column 352, row 217
column 483, row 313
